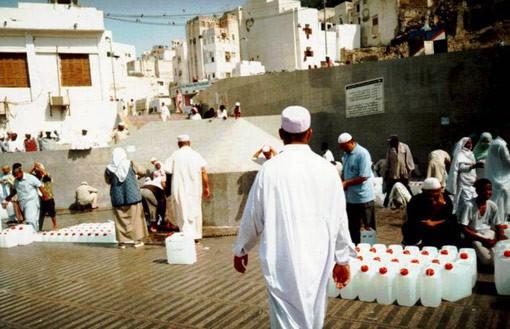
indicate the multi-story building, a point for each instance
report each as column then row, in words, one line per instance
column 283, row 35
column 55, row 73
column 180, row 62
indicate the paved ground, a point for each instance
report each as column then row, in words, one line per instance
column 89, row 286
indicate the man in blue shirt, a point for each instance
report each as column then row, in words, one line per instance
column 26, row 187
column 358, row 188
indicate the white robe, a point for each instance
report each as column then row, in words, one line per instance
column 497, row 170
column 462, row 176
column 297, row 207
column 186, row 166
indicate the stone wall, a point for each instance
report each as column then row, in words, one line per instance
column 465, row 87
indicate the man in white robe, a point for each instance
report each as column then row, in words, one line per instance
column 189, row 184
column 297, row 207
column 497, row 170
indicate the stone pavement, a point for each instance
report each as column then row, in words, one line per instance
column 92, row 286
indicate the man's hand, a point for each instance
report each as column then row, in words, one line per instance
column 341, row 275
column 240, row 263
column 489, row 243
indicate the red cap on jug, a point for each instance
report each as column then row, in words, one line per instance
column 429, row 272
column 448, row 266
column 395, row 260
column 383, row 270
column 406, row 252
column 404, row 271
column 364, row 268
column 435, row 261
column 425, row 253
column 377, row 259
column 444, row 252
column 389, row 251
column 359, row 257
column 464, row 255
column 415, row 261
column 373, row 250
column 506, row 253
column 357, row 249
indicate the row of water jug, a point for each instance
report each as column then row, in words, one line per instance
column 83, row 233
column 405, row 275
column 19, row 235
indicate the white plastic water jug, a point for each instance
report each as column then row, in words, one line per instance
column 368, row 236
column 452, row 251
column 456, row 282
column 384, row 284
column 407, row 286
column 332, row 291
column 432, row 251
column 351, row 290
column 25, row 234
column 8, row 238
column 180, row 249
column 430, row 286
column 502, row 272
column 446, row 255
column 413, row 250
column 467, row 257
column 363, row 247
column 366, row 291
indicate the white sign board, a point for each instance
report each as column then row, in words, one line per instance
column 364, row 98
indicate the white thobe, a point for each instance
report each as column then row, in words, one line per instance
column 186, row 167
column 165, row 113
column 297, row 207
column 461, row 179
column 328, row 155
column 497, row 170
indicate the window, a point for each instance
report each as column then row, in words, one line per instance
column 14, row 70
column 227, row 56
column 375, row 25
column 233, row 37
column 75, row 70
column 212, row 59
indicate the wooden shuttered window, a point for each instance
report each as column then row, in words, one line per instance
column 14, row 70
column 75, row 70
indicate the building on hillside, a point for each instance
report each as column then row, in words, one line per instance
column 55, row 73
column 180, row 62
column 284, row 36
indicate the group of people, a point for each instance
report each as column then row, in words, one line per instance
column 183, row 175
column 10, row 143
column 222, row 112
column 30, row 193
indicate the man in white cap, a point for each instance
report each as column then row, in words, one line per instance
column 189, row 184
column 430, row 219
column 359, row 193
column 297, row 207
column 267, row 151
column 86, row 195
column 120, row 133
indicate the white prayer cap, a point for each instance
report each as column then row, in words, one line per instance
column 183, row 138
column 344, row 138
column 266, row 149
column 238, row 104
column 431, row 183
column 122, row 123
column 153, row 159
column 295, row 119
column 84, row 183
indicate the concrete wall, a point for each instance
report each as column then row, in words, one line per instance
column 466, row 87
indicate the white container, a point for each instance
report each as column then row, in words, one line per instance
column 366, row 291
column 413, row 251
column 384, row 282
column 180, row 249
column 501, row 246
column 447, row 256
column 452, row 251
column 351, row 290
column 456, row 282
column 467, row 257
column 502, row 272
column 407, row 286
column 430, row 286
column 8, row 238
column 25, row 234
column 431, row 251
column 368, row 236
column 379, row 248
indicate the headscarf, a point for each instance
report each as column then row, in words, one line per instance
column 120, row 164
column 481, row 149
column 461, row 154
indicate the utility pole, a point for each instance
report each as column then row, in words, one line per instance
column 113, row 69
column 326, row 35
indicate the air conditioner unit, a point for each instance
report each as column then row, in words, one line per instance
column 58, row 101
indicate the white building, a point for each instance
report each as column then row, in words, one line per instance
column 283, row 35
column 213, row 45
column 180, row 62
column 56, row 74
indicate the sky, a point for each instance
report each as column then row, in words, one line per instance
column 143, row 37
